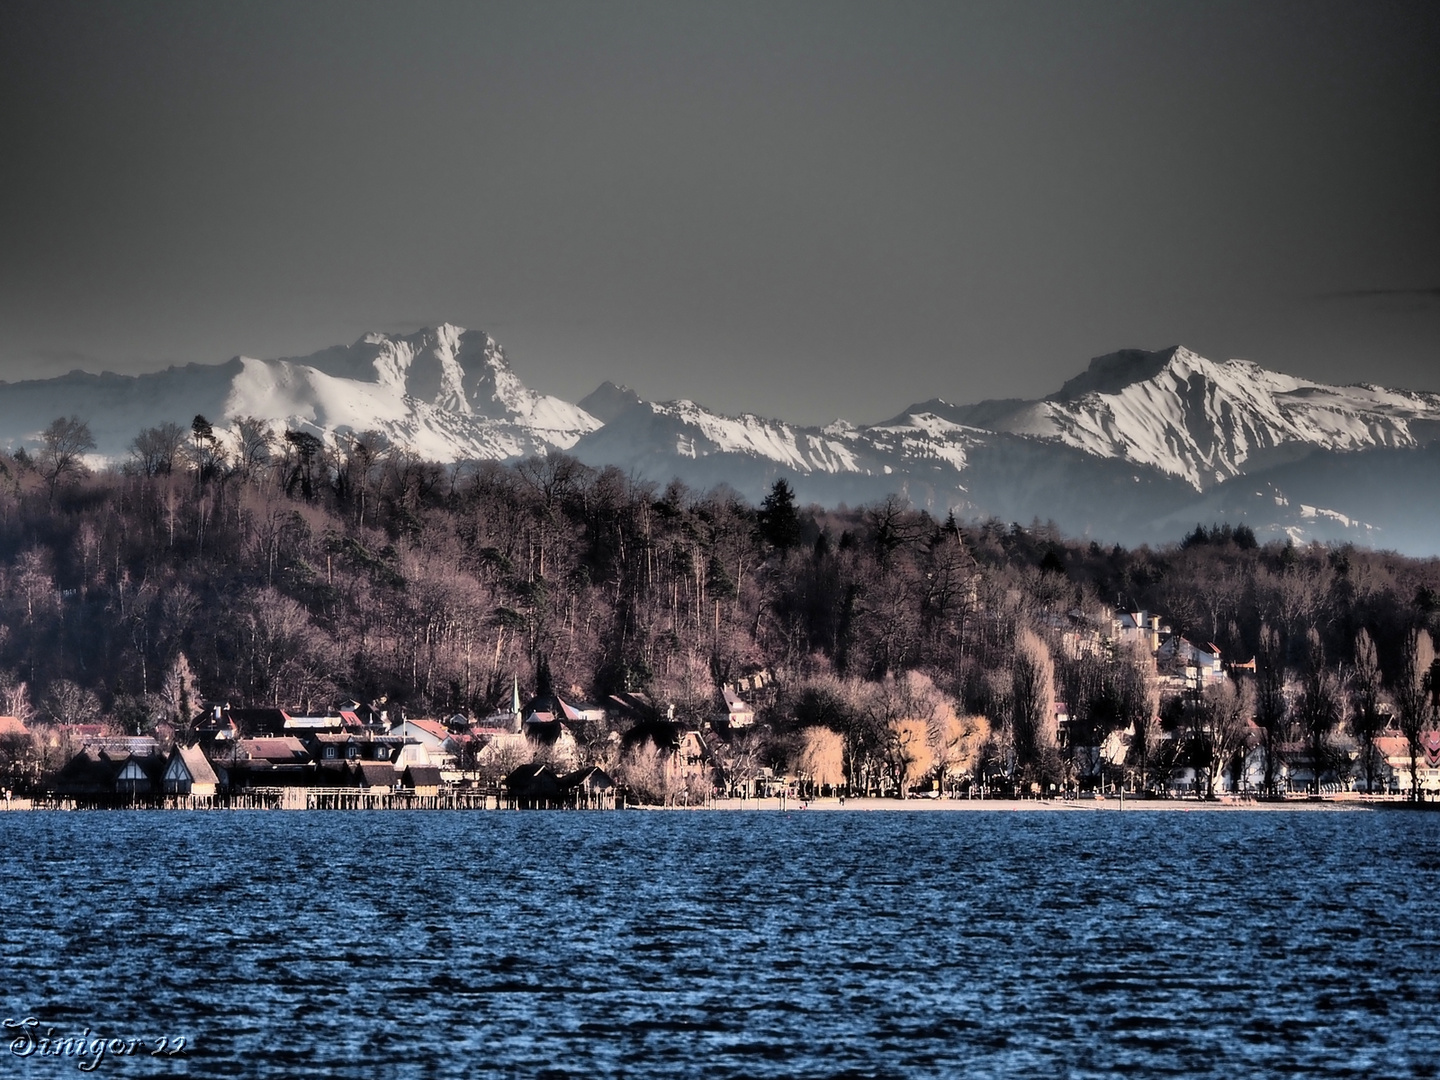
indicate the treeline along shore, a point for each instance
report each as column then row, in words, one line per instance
column 544, row 615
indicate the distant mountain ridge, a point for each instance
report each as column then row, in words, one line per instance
column 1138, row 447
column 446, row 393
column 1207, row 422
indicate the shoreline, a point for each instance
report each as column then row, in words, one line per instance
column 1052, row 806
column 833, row 805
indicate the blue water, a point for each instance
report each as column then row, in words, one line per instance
column 726, row 944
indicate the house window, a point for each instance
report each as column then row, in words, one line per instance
column 329, row 751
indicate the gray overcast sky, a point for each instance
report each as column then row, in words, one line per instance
column 804, row 210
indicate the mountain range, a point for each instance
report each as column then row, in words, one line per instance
column 1139, row 447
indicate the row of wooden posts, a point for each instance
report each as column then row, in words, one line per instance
column 302, row 798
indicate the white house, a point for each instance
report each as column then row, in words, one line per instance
column 737, row 711
column 427, row 742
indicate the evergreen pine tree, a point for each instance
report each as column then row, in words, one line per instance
column 779, row 523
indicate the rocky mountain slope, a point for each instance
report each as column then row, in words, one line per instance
column 1138, row 447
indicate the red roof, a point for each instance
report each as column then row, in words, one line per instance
column 11, row 725
column 432, row 727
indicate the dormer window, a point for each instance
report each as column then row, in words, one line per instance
column 329, row 751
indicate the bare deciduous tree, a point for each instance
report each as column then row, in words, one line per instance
column 254, row 446
column 1366, row 718
column 1033, row 704
column 821, row 758
column 64, row 445
column 1320, row 709
column 154, row 451
column 1225, row 709
column 1414, row 700
column 1271, row 706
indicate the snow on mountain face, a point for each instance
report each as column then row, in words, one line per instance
column 462, row 373
column 446, row 394
column 1205, row 422
column 684, row 430
column 1138, row 446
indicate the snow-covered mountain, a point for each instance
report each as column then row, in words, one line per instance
column 446, row 394
column 1138, row 447
column 1206, row 422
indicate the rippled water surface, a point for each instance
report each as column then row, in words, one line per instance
column 727, row 944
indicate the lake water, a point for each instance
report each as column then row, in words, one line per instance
column 726, row 944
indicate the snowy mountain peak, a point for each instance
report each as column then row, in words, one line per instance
column 1206, row 422
column 463, row 373
column 425, row 366
column 1113, row 372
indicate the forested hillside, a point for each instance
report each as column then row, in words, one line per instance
column 287, row 572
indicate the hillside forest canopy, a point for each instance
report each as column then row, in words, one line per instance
column 241, row 566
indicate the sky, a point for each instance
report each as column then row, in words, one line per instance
column 805, row 210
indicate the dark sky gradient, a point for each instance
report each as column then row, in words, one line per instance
column 804, row 210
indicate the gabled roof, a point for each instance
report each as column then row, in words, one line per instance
column 692, row 742
column 196, row 765
column 417, row 776
column 99, row 767
column 533, row 781
column 375, row 773
column 553, row 706
column 12, row 725
column 433, row 728
column 734, row 703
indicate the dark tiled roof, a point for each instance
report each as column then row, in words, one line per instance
column 633, row 706
column 417, row 776
column 533, row 781
column 375, row 773
column 284, row 750
column 257, row 722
